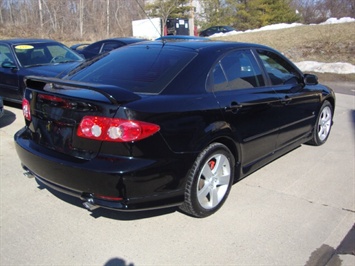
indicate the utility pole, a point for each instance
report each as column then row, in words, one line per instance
column 81, row 17
column 107, row 18
column 192, row 20
column 40, row 14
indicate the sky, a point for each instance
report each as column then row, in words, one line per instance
column 307, row 66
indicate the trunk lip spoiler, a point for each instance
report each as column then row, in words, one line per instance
column 108, row 91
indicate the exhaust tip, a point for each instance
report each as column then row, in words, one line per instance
column 28, row 174
column 89, row 206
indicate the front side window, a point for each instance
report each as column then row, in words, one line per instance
column 280, row 71
column 5, row 55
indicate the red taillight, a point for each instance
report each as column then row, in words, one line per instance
column 115, row 129
column 26, row 109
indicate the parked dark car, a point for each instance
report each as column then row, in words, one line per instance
column 107, row 45
column 175, row 38
column 216, row 29
column 79, row 46
column 22, row 57
column 1, row 107
column 159, row 124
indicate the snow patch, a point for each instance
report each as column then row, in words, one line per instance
column 307, row 66
column 338, row 68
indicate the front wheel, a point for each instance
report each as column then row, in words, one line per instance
column 323, row 125
column 209, row 181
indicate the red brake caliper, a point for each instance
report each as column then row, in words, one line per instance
column 212, row 164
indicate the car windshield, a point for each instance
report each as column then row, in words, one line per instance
column 34, row 54
column 140, row 69
column 229, row 28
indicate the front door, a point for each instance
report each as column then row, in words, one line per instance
column 9, row 83
column 297, row 103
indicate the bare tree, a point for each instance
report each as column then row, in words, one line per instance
column 315, row 11
column 340, row 8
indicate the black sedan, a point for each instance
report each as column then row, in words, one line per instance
column 107, row 45
column 216, row 29
column 159, row 124
column 22, row 57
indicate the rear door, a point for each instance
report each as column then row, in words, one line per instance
column 247, row 105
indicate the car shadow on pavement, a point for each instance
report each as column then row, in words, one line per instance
column 7, row 119
column 107, row 213
column 131, row 215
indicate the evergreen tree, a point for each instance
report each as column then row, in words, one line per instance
column 258, row 13
column 248, row 14
column 278, row 11
column 214, row 13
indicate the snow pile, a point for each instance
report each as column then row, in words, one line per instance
column 286, row 25
column 338, row 68
column 307, row 66
column 338, row 20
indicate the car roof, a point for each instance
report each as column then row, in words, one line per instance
column 124, row 39
column 206, row 44
column 23, row 40
column 181, row 38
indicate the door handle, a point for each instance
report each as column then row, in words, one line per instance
column 286, row 100
column 233, row 107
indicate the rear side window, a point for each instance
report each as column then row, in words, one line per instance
column 94, row 48
column 110, row 46
column 140, row 69
column 237, row 70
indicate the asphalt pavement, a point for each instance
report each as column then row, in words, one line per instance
column 297, row 210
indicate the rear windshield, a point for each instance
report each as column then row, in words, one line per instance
column 140, row 69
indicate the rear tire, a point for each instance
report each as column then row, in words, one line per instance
column 323, row 125
column 209, row 181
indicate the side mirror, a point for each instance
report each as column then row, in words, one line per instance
column 310, row 79
column 8, row 65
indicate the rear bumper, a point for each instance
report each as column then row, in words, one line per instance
column 121, row 183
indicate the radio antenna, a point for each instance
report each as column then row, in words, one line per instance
column 159, row 31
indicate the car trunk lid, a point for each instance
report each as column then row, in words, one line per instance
column 56, row 108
